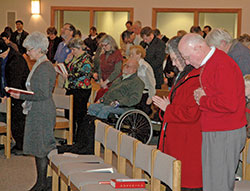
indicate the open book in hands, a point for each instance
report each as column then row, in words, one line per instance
column 15, row 90
column 60, row 68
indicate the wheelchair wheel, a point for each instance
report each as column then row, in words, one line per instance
column 137, row 124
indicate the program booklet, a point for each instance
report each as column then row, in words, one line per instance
column 102, row 170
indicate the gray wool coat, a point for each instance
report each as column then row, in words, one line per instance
column 40, row 121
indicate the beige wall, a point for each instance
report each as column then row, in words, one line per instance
column 142, row 9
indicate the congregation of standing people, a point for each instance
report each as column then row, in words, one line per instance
column 204, row 116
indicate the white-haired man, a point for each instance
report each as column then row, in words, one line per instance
column 222, row 40
column 137, row 30
column 222, row 104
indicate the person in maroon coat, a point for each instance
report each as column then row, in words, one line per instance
column 110, row 64
column 181, row 134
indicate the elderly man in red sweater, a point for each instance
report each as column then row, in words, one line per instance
column 222, row 104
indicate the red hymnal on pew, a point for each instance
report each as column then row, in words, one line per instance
column 128, row 183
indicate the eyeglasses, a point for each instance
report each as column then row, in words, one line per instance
column 105, row 45
column 28, row 50
column 66, row 29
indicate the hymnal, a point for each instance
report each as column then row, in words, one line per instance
column 15, row 90
column 128, row 183
column 60, row 68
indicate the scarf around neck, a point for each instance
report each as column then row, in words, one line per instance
column 27, row 105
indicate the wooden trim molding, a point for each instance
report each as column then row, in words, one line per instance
column 91, row 10
column 196, row 12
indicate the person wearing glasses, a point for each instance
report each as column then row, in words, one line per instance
column 78, row 81
column 110, row 64
column 40, row 108
column 181, row 135
column 67, row 33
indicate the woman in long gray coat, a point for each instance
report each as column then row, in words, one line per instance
column 40, row 108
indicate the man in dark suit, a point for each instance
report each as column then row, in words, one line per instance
column 19, row 36
column 91, row 41
column 155, row 53
column 14, row 72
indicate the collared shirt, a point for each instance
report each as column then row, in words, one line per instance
column 126, row 76
column 62, row 52
column 204, row 61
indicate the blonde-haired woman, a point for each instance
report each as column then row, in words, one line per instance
column 145, row 72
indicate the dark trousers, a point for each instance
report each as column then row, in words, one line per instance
column 85, row 138
column 17, row 122
column 80, row 99
column 143, row 106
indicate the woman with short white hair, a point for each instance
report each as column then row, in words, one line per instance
column 181, row 130
column 40, row 108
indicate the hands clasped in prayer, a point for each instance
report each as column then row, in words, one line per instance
column 162, row 103
column 198, row 93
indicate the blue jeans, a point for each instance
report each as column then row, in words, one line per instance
column 102, row 111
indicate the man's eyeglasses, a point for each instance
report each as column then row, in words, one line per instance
column 66, row 29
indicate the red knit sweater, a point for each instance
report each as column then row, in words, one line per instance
column 223, row 107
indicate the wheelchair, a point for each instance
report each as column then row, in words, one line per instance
column 137, row 123
column 134, row 123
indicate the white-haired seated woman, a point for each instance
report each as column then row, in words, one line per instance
column 39, row 107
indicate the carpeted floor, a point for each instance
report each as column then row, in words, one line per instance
column 17, row 173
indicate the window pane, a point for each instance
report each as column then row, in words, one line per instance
column 227, row 21
column 113, row 23
column 57, row 21
column 170, row 22
column 80, row 19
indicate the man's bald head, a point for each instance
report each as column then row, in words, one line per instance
column 193, row 49
column 130, row 66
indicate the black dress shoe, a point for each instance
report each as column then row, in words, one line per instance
column 16, row 151
column 1, row 146
column 63, row 142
